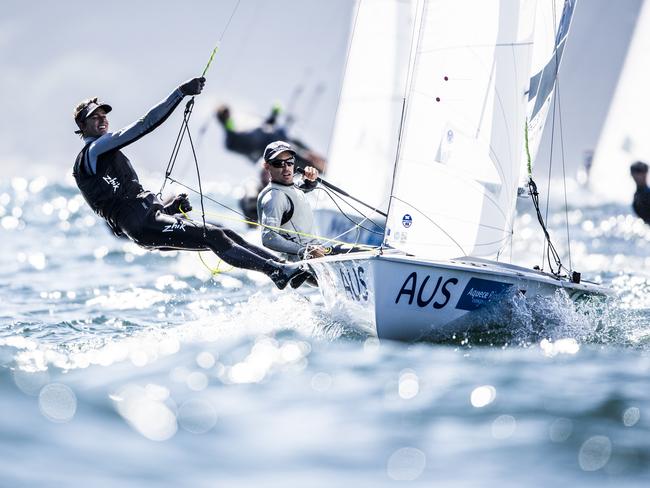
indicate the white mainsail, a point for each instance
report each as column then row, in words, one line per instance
column 364, row 142
column 459, row 157
column 624, row 137
column 462, row 140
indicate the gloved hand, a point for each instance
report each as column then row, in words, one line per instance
column 181, row 201
column 310, row 173
column 313, row 251
column 193, row 86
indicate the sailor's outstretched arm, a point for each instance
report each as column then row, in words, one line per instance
column 131, row 133
column 141, row 127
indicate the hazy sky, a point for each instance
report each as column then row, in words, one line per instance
column 132, row 53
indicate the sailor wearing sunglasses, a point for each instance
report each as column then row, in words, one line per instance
column 286, row 217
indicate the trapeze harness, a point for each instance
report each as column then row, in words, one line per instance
column 110, row 185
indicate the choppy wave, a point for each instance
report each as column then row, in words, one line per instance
column 139, row 368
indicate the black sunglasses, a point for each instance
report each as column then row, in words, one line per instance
column 281, row 163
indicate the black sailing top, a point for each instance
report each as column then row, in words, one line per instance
column 104, row 174
column 641, row 203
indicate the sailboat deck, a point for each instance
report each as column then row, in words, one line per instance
column 471, row 264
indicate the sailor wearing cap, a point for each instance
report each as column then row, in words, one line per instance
column 641, row 202
column 286, row 217
column 111, row 187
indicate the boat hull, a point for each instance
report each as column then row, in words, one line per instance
column 403, row 298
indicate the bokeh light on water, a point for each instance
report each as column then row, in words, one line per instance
column 631, row 416
column 57, row 402
column 146, row 411
column 503, row 427
column 266, row 354
column 197, row 416
column 197, row 381
column 409, row 385
column 560, row 430
column 321, row 382
column 560, row 346
column 595, row 453
column 205, row 360
column 31, row 382
column 406, row 464
column 483, row 396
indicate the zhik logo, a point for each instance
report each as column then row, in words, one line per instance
column 173, row 227
column 113, row 182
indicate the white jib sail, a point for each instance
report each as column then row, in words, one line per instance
column 364, row 141
column 552, row 22
column 462, row 140
column 625, row 135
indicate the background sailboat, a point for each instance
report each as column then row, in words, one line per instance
column 364, row 140
column 624, row 138
column 473, row 83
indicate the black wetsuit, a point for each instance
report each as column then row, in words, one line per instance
column 110, row 185
column 253, row 142
column 641, row 203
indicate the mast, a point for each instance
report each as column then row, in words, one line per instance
column 415, row 40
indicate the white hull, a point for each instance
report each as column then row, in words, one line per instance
column 394, row 296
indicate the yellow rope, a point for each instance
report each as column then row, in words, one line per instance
column 213, row 271
column 216, row 271
column 214, row 51
column 288, row 231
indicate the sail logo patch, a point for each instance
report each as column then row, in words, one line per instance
column 479, row 292
column 407, row 220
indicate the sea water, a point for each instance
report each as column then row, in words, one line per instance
column 122, row 367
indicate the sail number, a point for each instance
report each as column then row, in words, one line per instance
column 354, row 283
column 425, row 291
